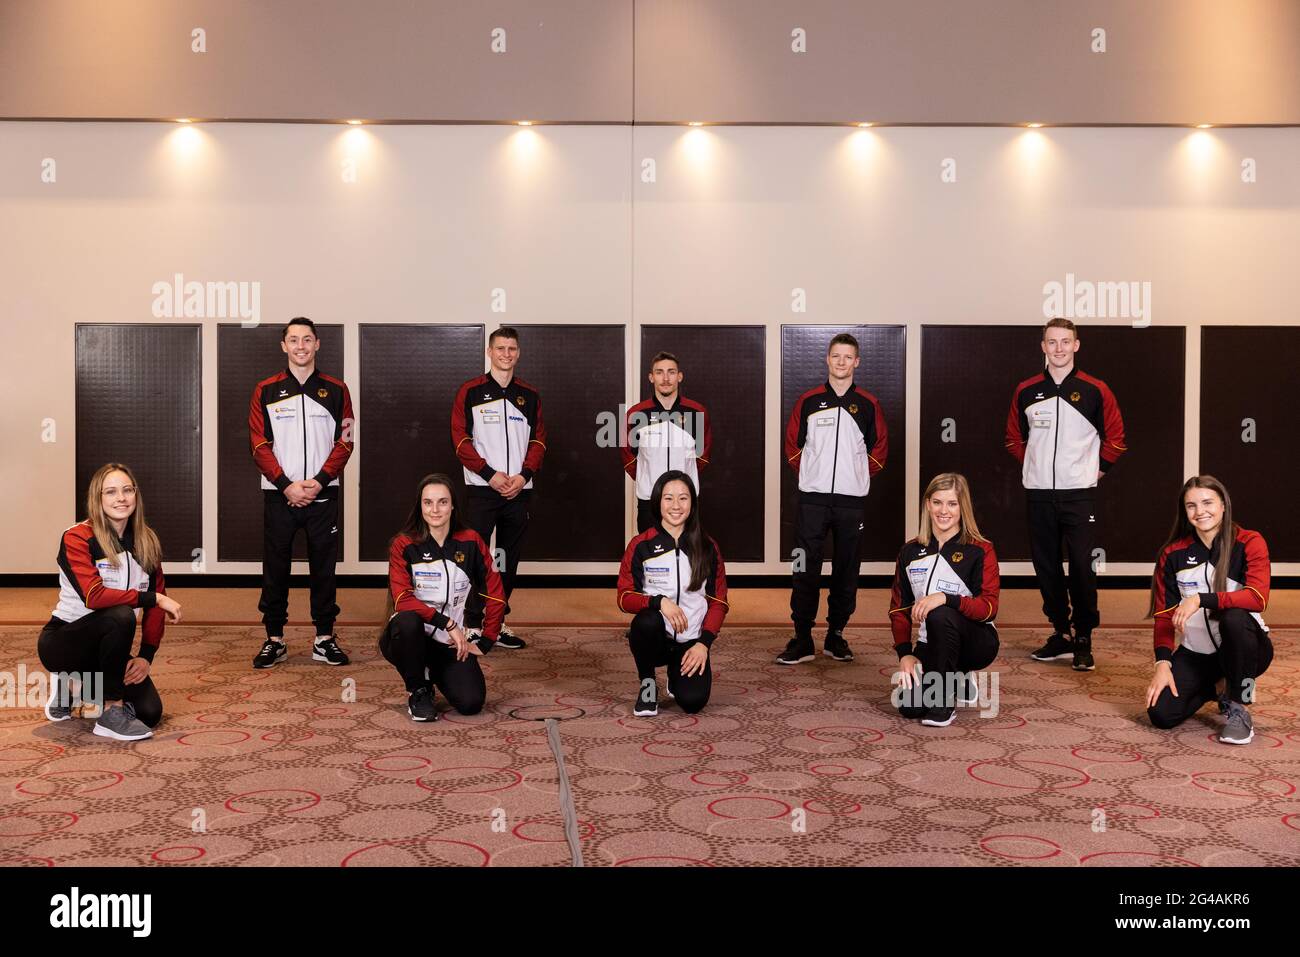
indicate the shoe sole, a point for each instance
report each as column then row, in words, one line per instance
column 637, row 712
column 831, row 654
column 797, row 661
column 518, row 647
column 930, row 723
column 424, row 720
column 1249, row 739
column 104, row 732
column 316, row 656
column 1085, row 668
column 1060, row 657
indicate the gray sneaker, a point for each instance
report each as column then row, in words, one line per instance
column 59, row 707
column 1239, row 729
column 120, row 722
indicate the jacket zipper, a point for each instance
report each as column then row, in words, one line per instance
column 302, row 395
column 505, row 425
column 677, row 563
column 835, row 459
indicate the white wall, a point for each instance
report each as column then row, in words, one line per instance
column 560, row 217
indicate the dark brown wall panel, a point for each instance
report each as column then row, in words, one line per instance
column 1246, row 373
column 724, row 368
column 577, row 506
column 139, row 390
column 968, row 374
column 409, row 377
column 883, row 374
column 244, row 358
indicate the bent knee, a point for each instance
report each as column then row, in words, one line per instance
column 1164, row 719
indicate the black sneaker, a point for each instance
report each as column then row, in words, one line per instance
column 797, row 651
column 509, row 640
column 836, row 647
column 420, row 705
column 647, row 700
column 1058, row 646
column 328, row 651
column 1083, row 655
column 939, row 717
column 273, row 651
column 59, row 707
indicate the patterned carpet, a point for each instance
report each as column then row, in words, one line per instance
column 787, row 766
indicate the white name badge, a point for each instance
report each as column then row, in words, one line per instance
column 491, row 416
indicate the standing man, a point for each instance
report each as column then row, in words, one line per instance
column 663, row 433
column 300, row 428
column 496, row 426
column 835, row 440
column 1065, row 429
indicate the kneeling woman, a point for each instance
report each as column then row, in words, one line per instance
column 110, row 567
column 1210, row 585
column 947, row 585
column 434, row 563
column 673, row 581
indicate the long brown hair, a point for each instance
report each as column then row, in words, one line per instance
column 693, row 542
column 144, row 543
column 417, row 529
column 1220, row 553
column 943, row 482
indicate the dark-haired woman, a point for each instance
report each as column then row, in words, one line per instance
column 110, row 565
column 434, row 564
column 1210, row 586
column 946, row 584
column 673, row 581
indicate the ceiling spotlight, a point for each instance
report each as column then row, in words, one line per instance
column 354, row 122
column 695, row 123
column 1204, row 126
column 525, row 122
column 184, row 120
column 1034, row 126
column 864, row 125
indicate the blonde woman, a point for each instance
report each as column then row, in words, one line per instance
column 946, row 585
column 110, row 566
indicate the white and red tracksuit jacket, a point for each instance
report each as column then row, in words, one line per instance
column 967, row 574
column 1185, row 569
column 653, row 568
column 1064, row 435
column 435, row 581
column 300, row 431
column 658, row 440
column 90, row 581
column 498, row 429
column 836, row 442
